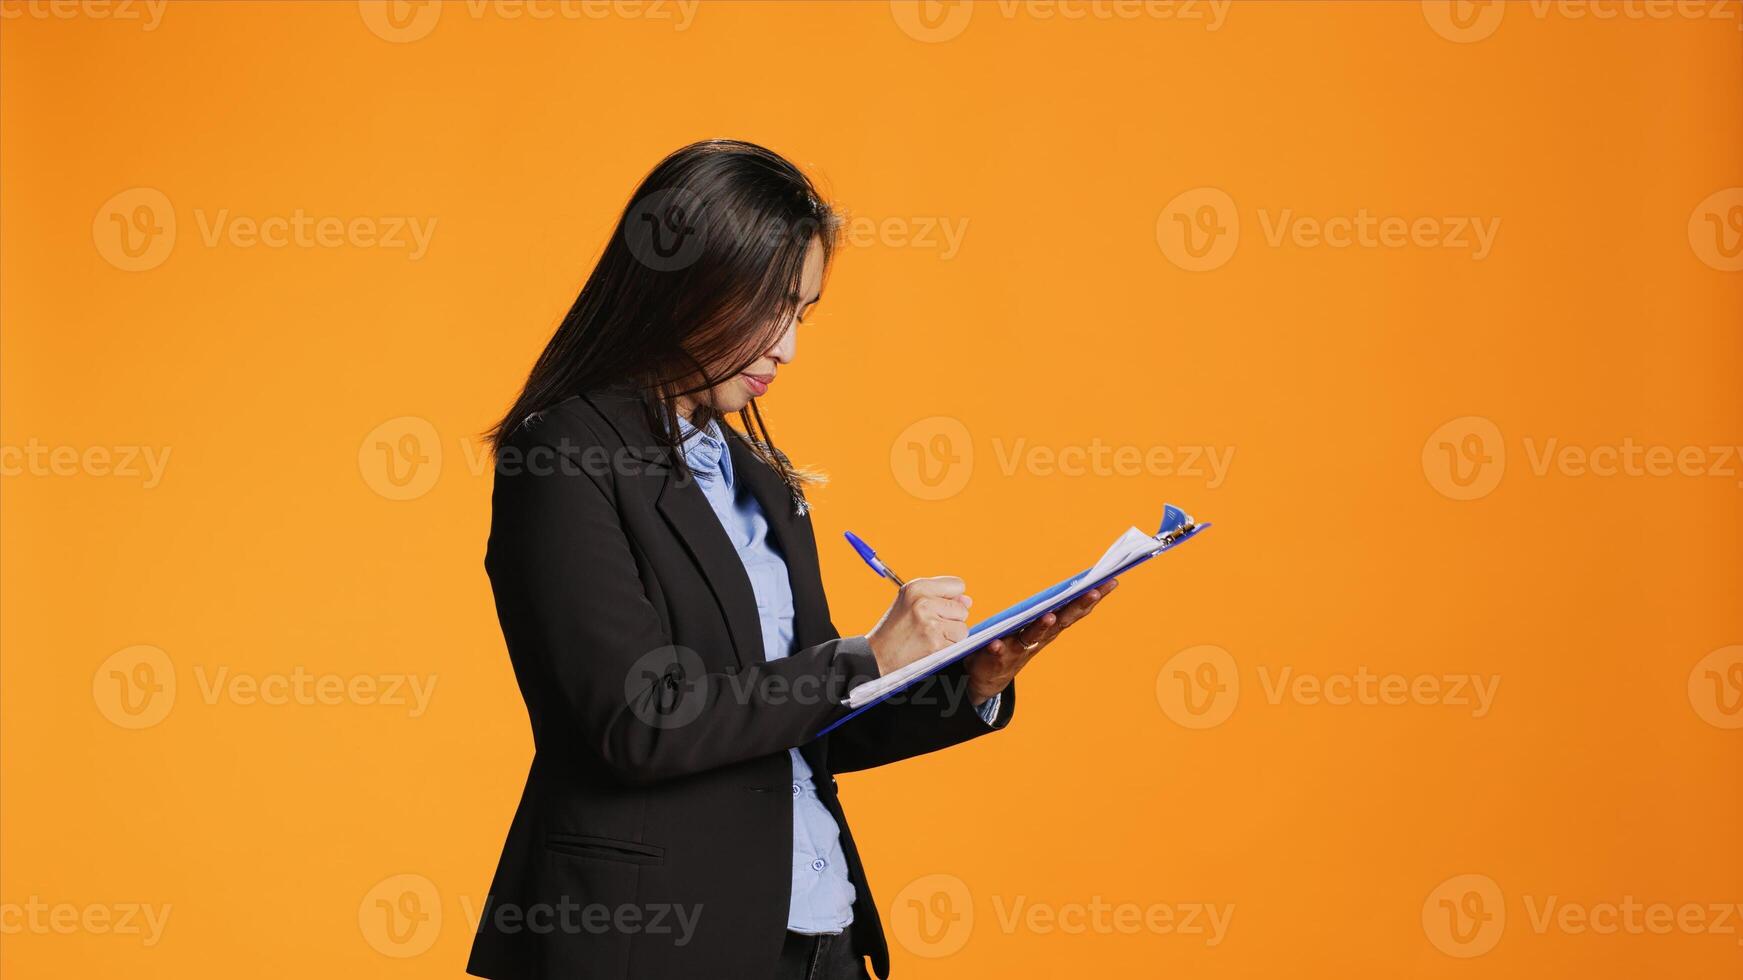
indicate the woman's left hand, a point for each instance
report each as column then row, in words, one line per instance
column 991, row 669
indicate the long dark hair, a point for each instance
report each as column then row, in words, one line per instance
column 698, row 281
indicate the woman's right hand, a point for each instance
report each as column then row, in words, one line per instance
column 928, row 615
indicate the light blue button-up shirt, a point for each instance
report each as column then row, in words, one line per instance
column 822, row 898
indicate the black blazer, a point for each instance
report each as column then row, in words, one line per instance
column 654, row 837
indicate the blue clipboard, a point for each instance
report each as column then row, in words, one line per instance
column 1176, row 528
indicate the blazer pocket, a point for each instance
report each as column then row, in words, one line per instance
column 604, row 848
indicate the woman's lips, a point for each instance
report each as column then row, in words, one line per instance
column 758, row 383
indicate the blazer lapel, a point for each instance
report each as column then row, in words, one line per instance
column 684, row 507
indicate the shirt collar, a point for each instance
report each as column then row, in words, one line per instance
column 705, row 451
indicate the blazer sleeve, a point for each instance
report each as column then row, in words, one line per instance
column 929, row 716
column 580, row 626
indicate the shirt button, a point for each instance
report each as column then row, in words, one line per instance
column 796, row 789
column 819, row 864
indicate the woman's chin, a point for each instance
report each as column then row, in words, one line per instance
column 734, row 398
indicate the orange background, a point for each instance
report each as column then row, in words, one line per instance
column 1055, row 146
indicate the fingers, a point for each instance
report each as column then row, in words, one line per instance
column 1008, row 653
column 1078, row 609
column 940, row 596
column 1048, row 627
column 1081, row 606
column 1004, row 658
column 955, row 609
column 938, row 586
column 1038, row 632
column 942, row 599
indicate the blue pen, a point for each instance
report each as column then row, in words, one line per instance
column 871, row 558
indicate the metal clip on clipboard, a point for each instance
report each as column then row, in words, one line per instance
column 1177, row 525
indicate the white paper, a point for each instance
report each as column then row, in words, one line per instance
column 1125, row 549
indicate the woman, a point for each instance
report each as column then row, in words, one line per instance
column 656, row 578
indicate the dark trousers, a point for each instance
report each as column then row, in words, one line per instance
column 820, row 958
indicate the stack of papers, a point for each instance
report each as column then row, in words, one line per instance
column 1130, row 548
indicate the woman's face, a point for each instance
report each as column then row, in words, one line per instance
column 736, row 392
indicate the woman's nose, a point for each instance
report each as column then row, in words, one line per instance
column 786, row 347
